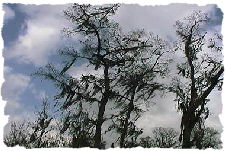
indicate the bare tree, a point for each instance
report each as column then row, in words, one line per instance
column 202, row 69
column 147, row 142
column 40, row 127
column 165, row 137
column 17, row 135
column 162, row 138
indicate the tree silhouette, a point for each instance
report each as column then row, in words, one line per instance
column 104, row 46
column 32, row 134
column 80, row 127
column 165, row 137
column 202, row 70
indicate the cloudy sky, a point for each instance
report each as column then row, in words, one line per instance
column 32, row 36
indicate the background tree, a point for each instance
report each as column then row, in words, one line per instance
column 33, row 133
column 211, row 138
column 165, row 137
column 206, row 137
column 80, row 128
column 162, row 138
column 147, row 142
column 17, row 135
column 201, row 71
column 40, row 128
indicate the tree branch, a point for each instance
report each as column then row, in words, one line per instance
column 214, row 82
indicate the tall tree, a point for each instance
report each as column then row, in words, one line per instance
column 137, row 80
column 200, row 72
column 104, row 47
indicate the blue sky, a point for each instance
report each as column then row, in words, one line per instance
column 32, row 36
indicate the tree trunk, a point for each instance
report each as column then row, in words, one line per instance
column 101, row 111
column 125, row 128
column 190, row 119
column 188, row 124
column 186, row 137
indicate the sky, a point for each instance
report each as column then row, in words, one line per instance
column 32, row 36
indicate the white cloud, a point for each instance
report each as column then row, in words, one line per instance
column 35, row 46
column 15, row 84
column 158, row 19
column 7, row 70
column 215, row 109
column 42, row 36
column 37, row 93
column 9, row 13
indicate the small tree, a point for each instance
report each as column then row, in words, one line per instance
column 40, row 127
column 32, row 134
column 147, row 142
column 211, row 139
column 199, row 74
column 162, row 138
column 165, row 137
column 206, row 137
column 17, row 135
